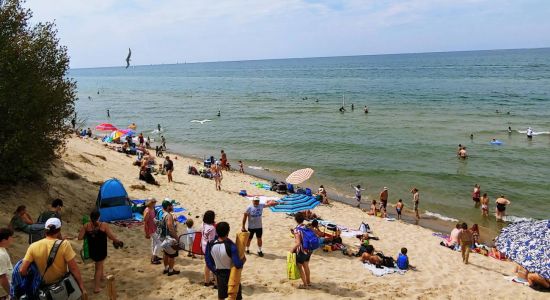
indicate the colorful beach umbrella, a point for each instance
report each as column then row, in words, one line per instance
column 105, row 127
column 295, row 203
column 528, row 244
column 299, row 176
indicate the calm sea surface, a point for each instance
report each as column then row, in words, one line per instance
column 283, row 115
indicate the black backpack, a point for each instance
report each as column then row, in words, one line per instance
column 387, row 261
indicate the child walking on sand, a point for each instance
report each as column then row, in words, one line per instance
column 190, row 236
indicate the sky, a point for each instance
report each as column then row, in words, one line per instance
column 98, row 33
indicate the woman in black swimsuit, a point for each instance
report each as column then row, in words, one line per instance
column 501, row 207
column 97, row 233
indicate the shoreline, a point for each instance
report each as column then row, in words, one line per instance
column 86, row 164
column 430, row 222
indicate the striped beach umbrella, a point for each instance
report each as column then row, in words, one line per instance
column 295, row 203
column 528, row 244
column 299, row 176
column 105, row 127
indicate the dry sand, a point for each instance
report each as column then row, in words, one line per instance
column 440, row 272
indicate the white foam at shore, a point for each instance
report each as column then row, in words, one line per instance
column 514, row 219
column 440, row 216
column 255, row 168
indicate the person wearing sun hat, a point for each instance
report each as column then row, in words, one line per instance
column 150, row 228
column 39, row 251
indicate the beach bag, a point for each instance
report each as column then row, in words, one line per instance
column 242, row 193
column 364, row 227
column 291, row 267
column 310, row 241
column 387, row 261
column 65, row 289
column 36, row 232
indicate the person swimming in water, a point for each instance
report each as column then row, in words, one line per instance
column 158, row 127
column 529, row 133
column 366, row 109
column 342, row 109
column 219, row 113
column 108, row 114
column 471, row 136
column 352, row 107
column 509, row 130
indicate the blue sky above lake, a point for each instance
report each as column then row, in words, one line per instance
column 99, row 33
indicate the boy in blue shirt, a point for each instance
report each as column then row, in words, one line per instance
column 403, row 260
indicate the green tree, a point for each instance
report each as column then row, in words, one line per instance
column 36, row 96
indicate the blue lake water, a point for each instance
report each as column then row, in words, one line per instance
column 283, row 115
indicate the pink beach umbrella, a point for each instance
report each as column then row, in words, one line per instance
column 299, row 176
column 105, row 127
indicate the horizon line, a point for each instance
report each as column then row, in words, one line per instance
column 312, row 57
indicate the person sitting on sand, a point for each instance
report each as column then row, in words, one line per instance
column 453, row 238
column 500, row 210
column 373, row 209
column 323, row 193
column 521, row 274
column 537, row 281
column 145, row 175
column 402, row 260
column 97, row 233
column 309, row 215
column 21, row 219
column 370, row 257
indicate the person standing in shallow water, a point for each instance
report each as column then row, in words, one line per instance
column 485, row 205
column 501, row 207
column 476, row 195
column 416, row 201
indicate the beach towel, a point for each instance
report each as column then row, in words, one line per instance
column 291, row 267
column 197, row 244
column 351, row 233
column 516, row 280
column 382, row 271
column 235, row 275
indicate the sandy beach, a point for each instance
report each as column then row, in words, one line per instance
column 85, row 164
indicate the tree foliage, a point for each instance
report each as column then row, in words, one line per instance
column 36, row 97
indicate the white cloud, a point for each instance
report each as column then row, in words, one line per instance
column 99, row 32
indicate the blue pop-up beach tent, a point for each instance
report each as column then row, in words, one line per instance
column 113, row 202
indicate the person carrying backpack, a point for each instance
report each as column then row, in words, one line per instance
column 221, row 255
column 305, row 241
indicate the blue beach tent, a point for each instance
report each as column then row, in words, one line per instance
column 113, row 202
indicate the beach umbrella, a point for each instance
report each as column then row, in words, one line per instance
column 128, row 131
column 528, row 244
column 299, row 176
column 105, row 127
column 295, row 203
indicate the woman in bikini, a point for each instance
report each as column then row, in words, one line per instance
column 97, row 233
column 485, row 205
column 217, row 174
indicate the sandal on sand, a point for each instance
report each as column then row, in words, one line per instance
column 303, row 287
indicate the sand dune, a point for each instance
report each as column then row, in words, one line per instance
column 86, row 163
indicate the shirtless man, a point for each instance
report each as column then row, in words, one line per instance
column 416, row 201
column 383, row 199
column 370, row 257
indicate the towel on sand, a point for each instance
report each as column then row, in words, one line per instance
column 383, row 271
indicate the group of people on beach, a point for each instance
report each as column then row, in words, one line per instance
column 483, row 203
column 380, row 210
